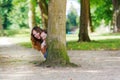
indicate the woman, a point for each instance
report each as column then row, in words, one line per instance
column 38, row 38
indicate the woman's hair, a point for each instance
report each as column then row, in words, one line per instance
column 36, row 43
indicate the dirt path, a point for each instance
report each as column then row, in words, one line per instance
column 16, row 63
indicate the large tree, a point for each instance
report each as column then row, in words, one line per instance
column 57, row 53
column 116, row 15
column 84, row 21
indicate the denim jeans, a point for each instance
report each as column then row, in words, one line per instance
column 45, row 55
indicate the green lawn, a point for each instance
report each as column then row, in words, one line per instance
column 98, row 41
column 109, row 41
column 108, row 44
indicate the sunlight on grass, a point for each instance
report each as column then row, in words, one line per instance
column 94, row 36
column 26, row 44
column 109, row 41
column 109, row 44
column 98, row 43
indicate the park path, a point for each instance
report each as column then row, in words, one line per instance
column 17, row 63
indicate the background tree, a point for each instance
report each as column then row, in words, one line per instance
column 57, row 53
column 1, row 27
column 1, row 20
column 31, row 14
column 90, row 27
column 84, row 18
column 43, row 5
column 100, row 11
column 116, row 15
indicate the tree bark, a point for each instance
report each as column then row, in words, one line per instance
column 44, row 12
column 84, row 20
column 90, row 20
column 31, row 13
column 1, row 27
column 57, row 53
column 116, row 15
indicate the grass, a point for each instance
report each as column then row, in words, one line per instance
column 107, row 41
column 99, row 42
column 109, row 44
column 26, row 44
column 15, row 32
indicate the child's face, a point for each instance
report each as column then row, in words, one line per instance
column 36, row 34
column 43, row 35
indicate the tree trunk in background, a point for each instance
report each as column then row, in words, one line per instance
column 116, row 15
column 31, row 13
column 90, row 27
column 90, row 21
column 57, row 53
column 1, row 27
column 84, row 21
column 2, row 33
column 44, row 12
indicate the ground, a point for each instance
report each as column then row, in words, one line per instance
column 19, row 63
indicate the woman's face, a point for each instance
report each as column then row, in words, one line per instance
column 36, row 34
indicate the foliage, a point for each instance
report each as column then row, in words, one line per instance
column 5, row 8
column 18, row 16
column 38, row 18
column 14, row 14
column 72, row 19
column 103, row 11
column 14, row 32
column 78, row 0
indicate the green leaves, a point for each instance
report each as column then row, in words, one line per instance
column 102, row 11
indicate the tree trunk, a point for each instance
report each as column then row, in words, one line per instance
column 1, row 27
column 2, row 33
column 84, row 20
column 116, row 15
column 118, row 21
column 57, row 53
column 90, row 21
column 44, row 12
column 31, row 13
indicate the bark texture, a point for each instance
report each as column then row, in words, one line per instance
column 84, row 21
